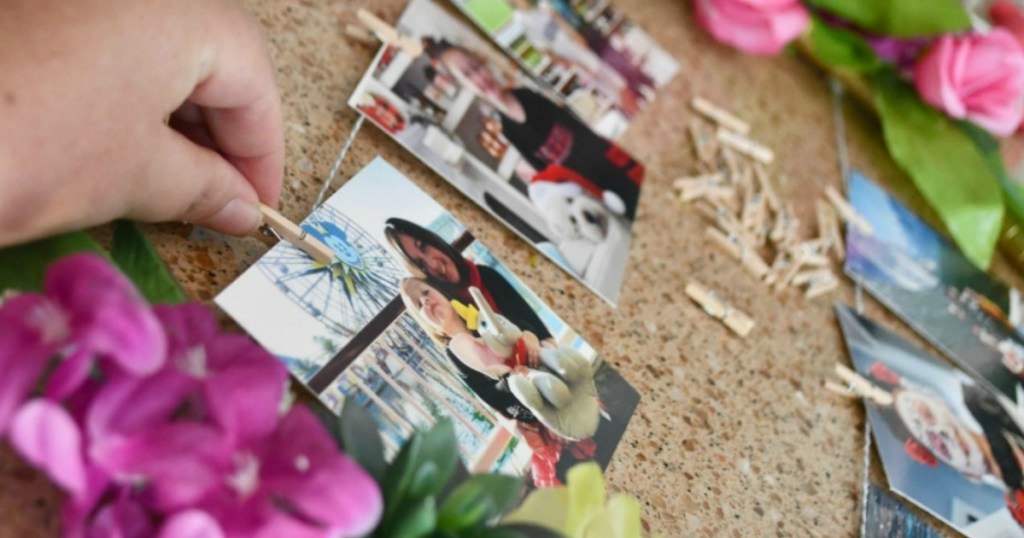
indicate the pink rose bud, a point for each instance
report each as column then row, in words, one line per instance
column 753, row 26
column 975, row 77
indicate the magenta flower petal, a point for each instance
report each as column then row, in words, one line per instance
column 69, row 375
column 191, row 524
column 108, row 316
column 32, row 330
column 126, row 406
column 122, row 518
column 178, row 462
column 245, row 386
column 303, row 466
column 46, row 435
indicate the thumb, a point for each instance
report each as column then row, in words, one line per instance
column 188, row 182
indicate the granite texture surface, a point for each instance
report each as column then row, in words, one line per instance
column 733, row 437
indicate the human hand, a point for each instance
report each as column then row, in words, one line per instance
column 85, row 89
column 532, row 345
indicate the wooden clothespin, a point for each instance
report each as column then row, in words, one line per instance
column 720, row 115
column 703, row 143
column 388, row 34
column 761, row 174
column 711, row 191
column 745, row 145
column 858, row 387
column 698, row 180
column 715, row 307
column 277, row 225
column 818, row 281
column 847, row 212
column 828, row 229
column 739, row 250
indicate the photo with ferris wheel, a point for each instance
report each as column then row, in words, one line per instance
column 408, row 321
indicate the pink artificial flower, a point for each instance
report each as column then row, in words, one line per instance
column 753, row 26
column 33, row 330
column 975, row 77
column 296, row 483
column 108, row 319
column 46, row 435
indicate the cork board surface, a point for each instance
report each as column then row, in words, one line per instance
column 732, row 437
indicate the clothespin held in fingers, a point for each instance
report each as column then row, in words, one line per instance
column 719, row 115
column 277, row 225
column 847, row 212
column 858, row 387
column 388, row 34
column 714, row 306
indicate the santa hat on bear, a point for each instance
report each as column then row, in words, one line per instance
column 559, row 180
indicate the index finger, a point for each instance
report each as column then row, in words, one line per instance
column 241, row 103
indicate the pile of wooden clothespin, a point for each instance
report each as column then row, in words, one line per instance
column 751, row 224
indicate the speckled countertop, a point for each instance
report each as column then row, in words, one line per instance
column 733, row 437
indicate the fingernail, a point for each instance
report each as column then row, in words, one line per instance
column 237, row 217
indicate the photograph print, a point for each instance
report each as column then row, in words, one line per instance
column 603, row 66
column 511, row 147
column 948, row 444
column 417, row 322
column 927, row 282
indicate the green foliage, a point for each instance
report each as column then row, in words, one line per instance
column 900, row 18
column 135, row 255
column 841, row 48
column 427, row 493
column 953, row 173
column 23, row 267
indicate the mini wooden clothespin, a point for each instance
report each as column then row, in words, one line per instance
column 715, row 307
column 847, row 212
column 745, row 145
column 277, row 225
column 858, row 387
column 828, row 229
column 739, row 250
column 388, row 34
column 703, row 143
column 761, row 174
column 719, row 115
column 818, row 281
column 698, row 180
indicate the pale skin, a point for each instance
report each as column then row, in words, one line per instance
column 85, row 90
column 438, row 311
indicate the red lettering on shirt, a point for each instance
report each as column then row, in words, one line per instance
column 558, row 146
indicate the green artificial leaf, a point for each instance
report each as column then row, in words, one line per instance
column 841, row 48
column 946, row 166
column 399, row 475
column 1013, row 194
column 425, row 480
column 479, row 499
column 23, row 267
column 545, row 507
column 415, row 520
column 442, row 449
column 134, row 254
column 586, row 496
column 901, row 18
column 466, row 508
column 361, row 439
column 522, row 530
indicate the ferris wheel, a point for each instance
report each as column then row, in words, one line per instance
column 346, row 293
